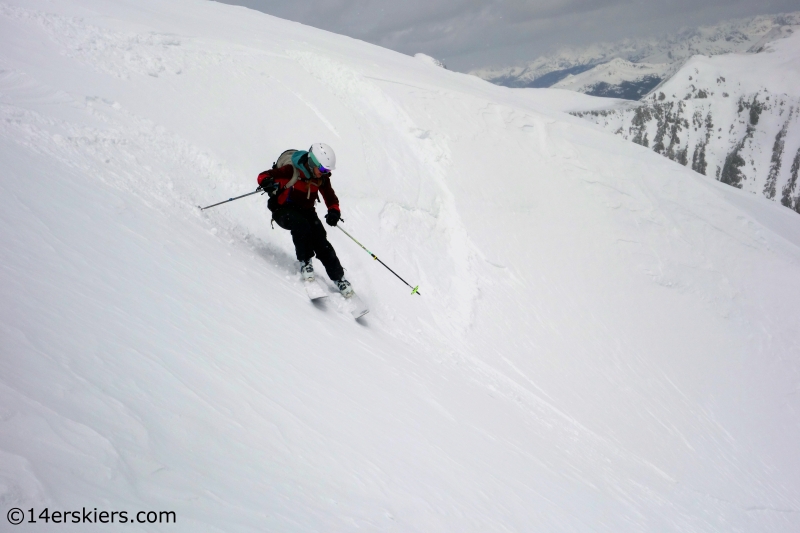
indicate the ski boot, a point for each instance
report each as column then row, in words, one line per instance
column 344, row 287
column 307, row 270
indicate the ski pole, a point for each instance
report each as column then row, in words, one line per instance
column 415, row 290
column 230, row 199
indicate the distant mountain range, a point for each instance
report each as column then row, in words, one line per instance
column 631, row 68
column 735, row 117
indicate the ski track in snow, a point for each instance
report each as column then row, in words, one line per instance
column 532, row 386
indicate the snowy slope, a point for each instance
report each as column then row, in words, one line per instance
column 734, row 117
column 606, row 341
column 632, row 67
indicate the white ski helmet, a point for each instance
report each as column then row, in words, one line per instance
column 322, row 155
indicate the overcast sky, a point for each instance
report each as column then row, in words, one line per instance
column 467, row 34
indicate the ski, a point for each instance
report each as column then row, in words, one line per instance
column 356, row 306
column 353, row 304
column 314, row 290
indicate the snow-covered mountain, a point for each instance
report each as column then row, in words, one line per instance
column 631, row 68
column 618, row 78
column 734, row 117
column 605, row 342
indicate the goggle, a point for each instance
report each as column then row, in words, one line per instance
column 317, row 164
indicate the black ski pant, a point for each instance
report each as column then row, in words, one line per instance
column 309, row 238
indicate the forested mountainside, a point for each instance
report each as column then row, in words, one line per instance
column 735, row 118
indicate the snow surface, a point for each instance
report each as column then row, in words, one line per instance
column 605, row 341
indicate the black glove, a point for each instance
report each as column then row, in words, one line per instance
column 270, row 187
column 333, row 216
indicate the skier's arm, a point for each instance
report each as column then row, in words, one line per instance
column 268, row 184
column 275, row 178
column 331, row 201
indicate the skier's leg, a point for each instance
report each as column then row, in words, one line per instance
column 324, row 250
column 301, row 229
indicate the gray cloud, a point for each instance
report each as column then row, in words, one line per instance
column 474, row 33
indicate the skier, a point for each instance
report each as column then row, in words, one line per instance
column 293, row 185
